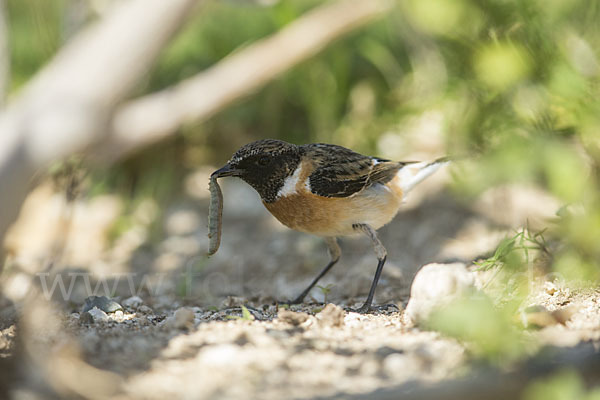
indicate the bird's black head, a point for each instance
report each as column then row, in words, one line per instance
column 264, row 165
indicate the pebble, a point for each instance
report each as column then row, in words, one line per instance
column 182, row 318
column 144, row 309
column 98, row 315
column 86, row 318
column 119, row 315
column 291, row 317
column 102, row 303
column 233, row 301
column 133, row 302
column 434, row 286
column 538, row 316
column 331, row 316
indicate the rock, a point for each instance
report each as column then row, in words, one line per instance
column 7, row 337
column 97, row 314
column 118, row 315
column 133, row 302
column 550, row 288
column 233, row 301
column 331, row 316
column 86, row 318
column 436, row 285
column 144, row 309
column 291, row 317
column 102, row 303
column 563, row 315
column 182, row 318
column 538, row 316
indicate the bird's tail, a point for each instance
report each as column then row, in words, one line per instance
column 413, row 173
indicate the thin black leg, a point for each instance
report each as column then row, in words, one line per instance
column 335, row 253
column 367, row 306
column 381, row 257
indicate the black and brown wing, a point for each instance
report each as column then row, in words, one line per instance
column 341, row 172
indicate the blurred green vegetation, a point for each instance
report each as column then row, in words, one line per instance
column 513, row 83
column 564, row 385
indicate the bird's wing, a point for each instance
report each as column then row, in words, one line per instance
column 340, row 172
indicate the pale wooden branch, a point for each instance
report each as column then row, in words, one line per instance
column 4, row 55
column 70, row 105
column 66, row 107
column 154, row 117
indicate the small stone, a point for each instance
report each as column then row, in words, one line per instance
column 233, row 301
column 119, row 315
column 86, row 318
column 550, row 288
column 291, row 317
column 98, row 315
column 538, row 316
column 434, row 286
column 144, row 309
column 182, row 318
column 102, row 303
column 133, row 302
column 331, row 316
column 564, row 314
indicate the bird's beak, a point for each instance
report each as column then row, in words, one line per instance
column 227, row 170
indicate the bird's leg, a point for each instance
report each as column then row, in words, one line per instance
column 334, row 252
column 381, row 253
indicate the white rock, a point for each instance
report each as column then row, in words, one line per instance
column 133, row 302
column 436, row 285
column 98, row 315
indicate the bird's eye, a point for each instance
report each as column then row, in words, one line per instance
column 264, row 160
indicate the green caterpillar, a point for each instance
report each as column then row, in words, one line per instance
column 215, row 216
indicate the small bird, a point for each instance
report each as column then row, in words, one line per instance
column 329, row 191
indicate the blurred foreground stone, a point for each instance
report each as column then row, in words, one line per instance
column 436, row 285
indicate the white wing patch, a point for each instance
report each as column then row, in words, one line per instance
column 411, row 174
column 289, row 185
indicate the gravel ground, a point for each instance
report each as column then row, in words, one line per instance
column 179, row 330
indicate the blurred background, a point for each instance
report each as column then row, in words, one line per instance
column 513, row 86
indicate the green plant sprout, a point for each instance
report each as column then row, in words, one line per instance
column 521, row 243
column 325, row 290
column 246, row 315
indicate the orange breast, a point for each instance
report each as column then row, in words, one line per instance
column 324, row 216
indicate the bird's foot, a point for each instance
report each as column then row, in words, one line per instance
column 297, row 300
column 369, row 309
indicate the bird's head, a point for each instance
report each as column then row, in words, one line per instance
column 264, row 165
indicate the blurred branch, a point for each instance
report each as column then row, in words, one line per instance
column 66, row 107
column 4, row 55
column 157, row 116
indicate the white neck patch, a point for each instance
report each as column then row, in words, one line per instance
column 290, row 183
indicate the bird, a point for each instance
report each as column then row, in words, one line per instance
column 329, row 191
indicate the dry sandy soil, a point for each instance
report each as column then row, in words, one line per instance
column 182, row 333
